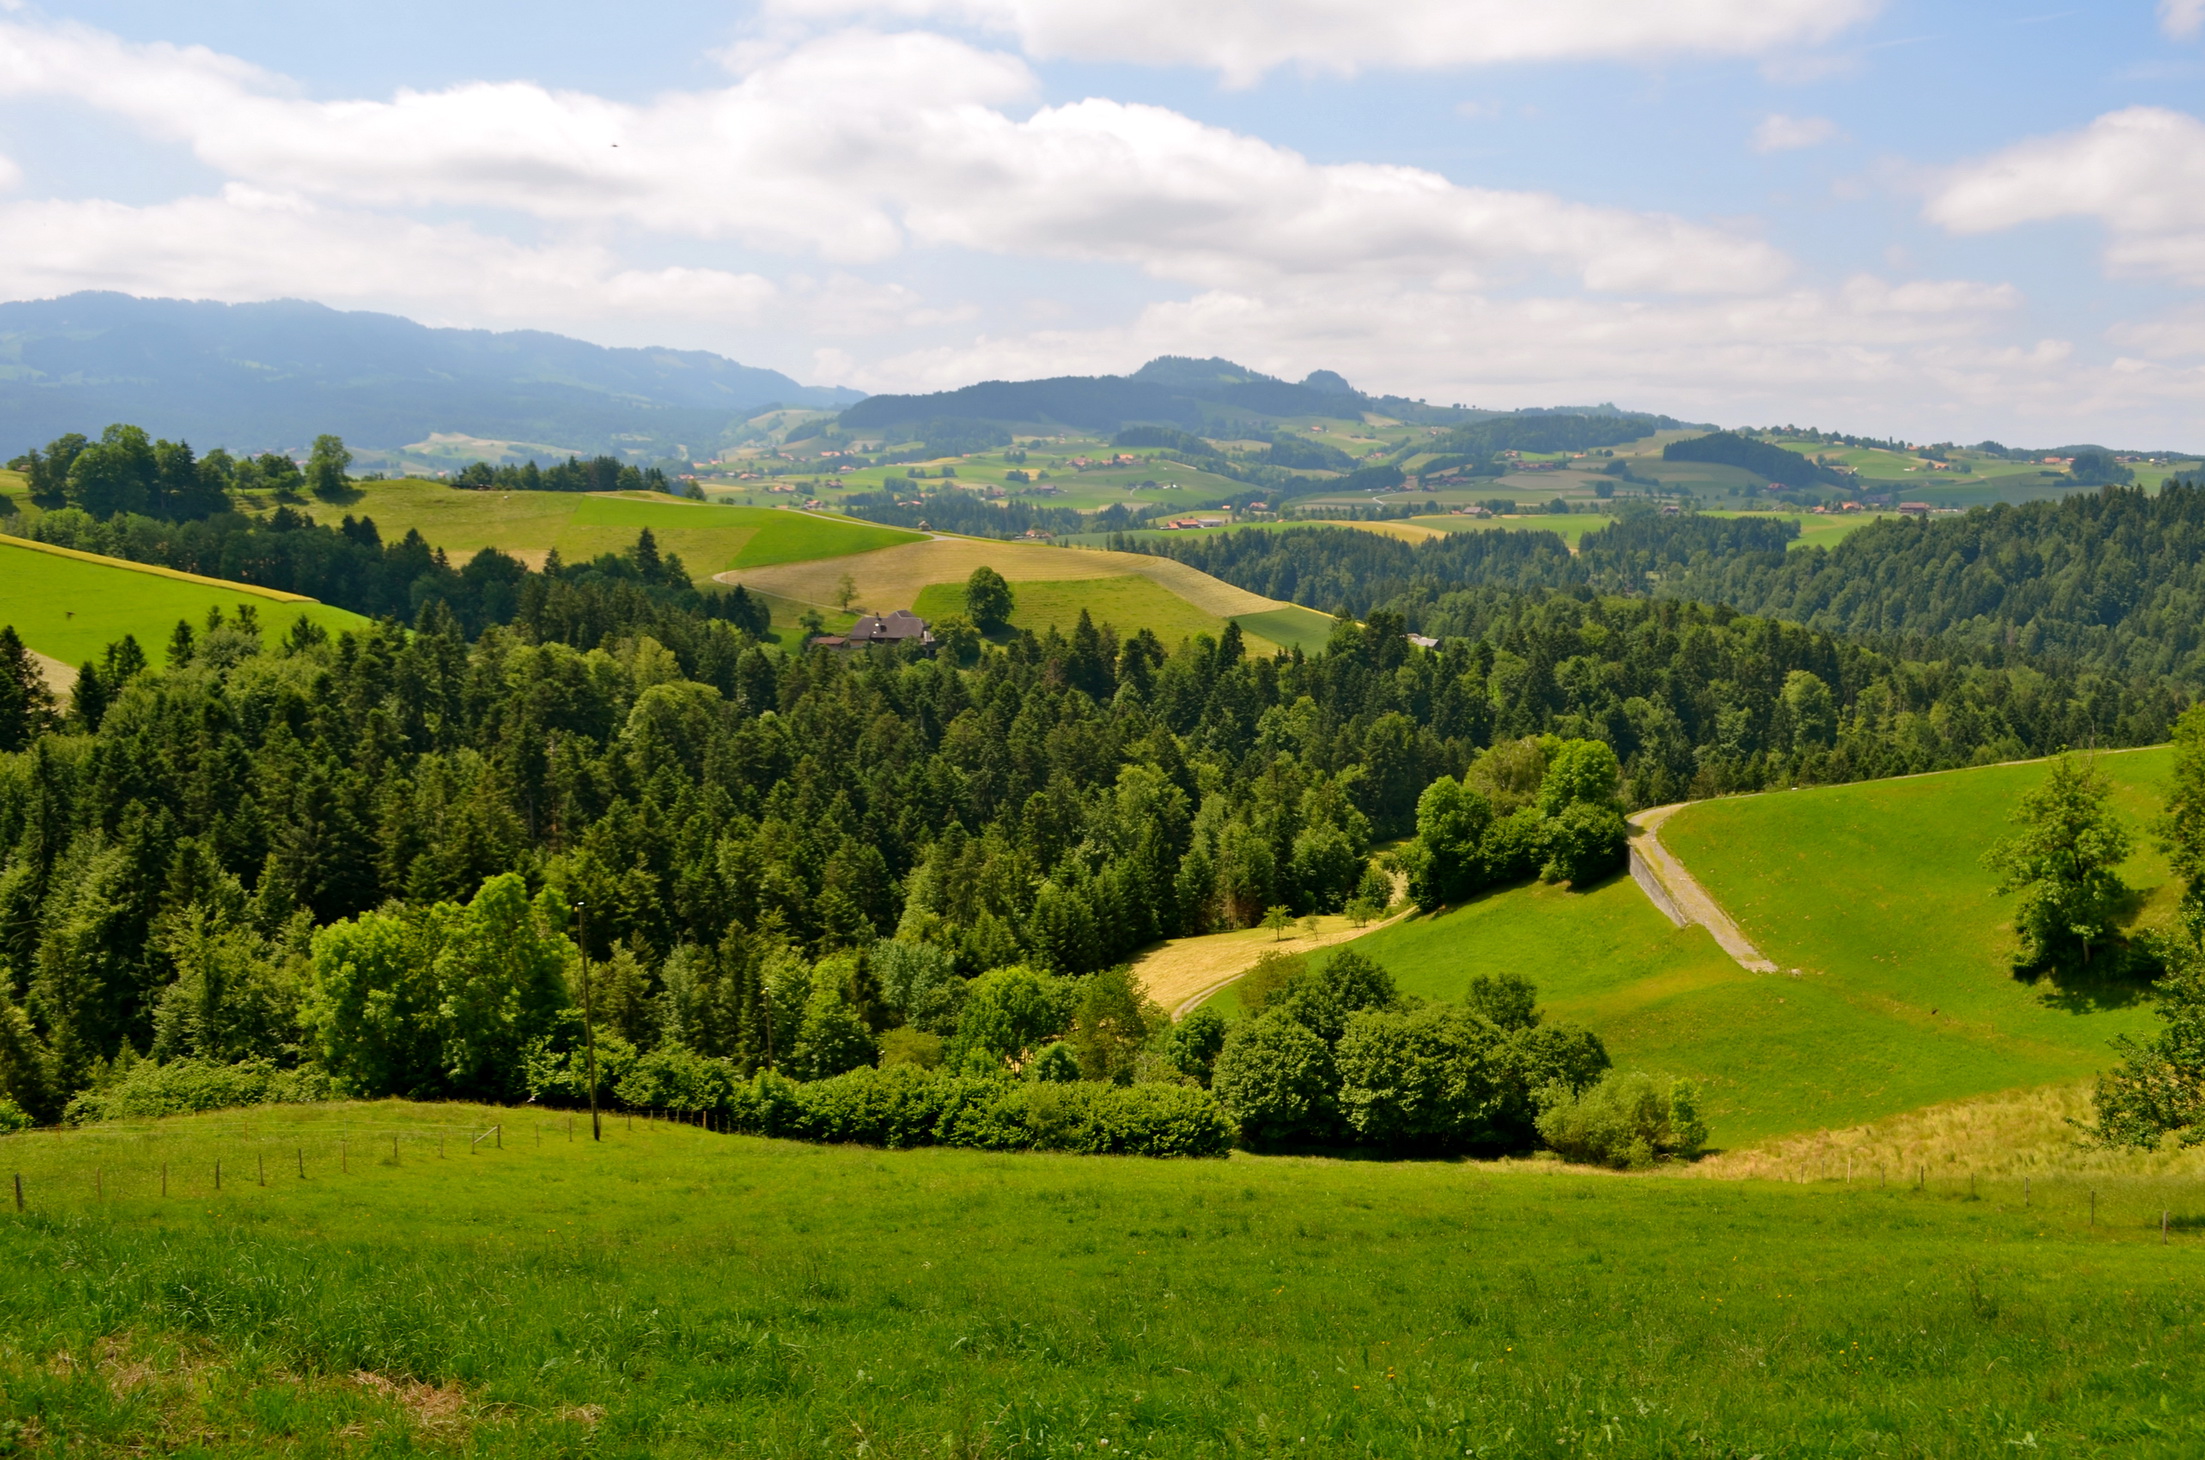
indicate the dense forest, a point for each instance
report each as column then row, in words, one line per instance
column 2108, row 583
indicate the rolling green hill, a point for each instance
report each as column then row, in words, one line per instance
column 71, row 609
column 709, row 538
column 673, row 1293
column 1872, row 891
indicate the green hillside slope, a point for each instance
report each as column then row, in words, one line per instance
column 1873, row 891
column 71, row 609
column 709, row 539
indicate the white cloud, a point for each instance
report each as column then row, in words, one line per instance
column 1242, row 39
column 1779, row 133
column 249, row 243
column 2140, row 172
column 851, row 145
column 2182, row 18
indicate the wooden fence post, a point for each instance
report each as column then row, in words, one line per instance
column 19, row 1191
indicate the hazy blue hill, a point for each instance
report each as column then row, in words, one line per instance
column 254, row 376
column 1172, row 390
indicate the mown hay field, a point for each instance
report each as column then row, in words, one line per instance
column 673, row 1293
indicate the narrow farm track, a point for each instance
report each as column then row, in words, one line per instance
column 59, row 677
column 1694, row 902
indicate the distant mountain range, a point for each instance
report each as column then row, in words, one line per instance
column 272, row 376
column 1212, row 397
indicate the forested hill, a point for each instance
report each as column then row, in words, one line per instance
column 273, row 376
column 2114, row 580
column 1218, row 397
column 2111, row 582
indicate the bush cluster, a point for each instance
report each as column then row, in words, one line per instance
column 1628, row 1120
column 1335, row 1055
column 1541, row 805
column 187, row 1086
column 904, row 1106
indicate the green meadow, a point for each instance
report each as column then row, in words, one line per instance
column 673, row 1293
column 1873, row 892
column 709, row 539
column 1129, row 604
column 71, row 609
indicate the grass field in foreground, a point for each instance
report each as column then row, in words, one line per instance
column 673, row 1293
column 709, row 539
column 72, row 609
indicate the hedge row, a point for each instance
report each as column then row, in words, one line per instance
column 905, row 1105
column 187, row 1086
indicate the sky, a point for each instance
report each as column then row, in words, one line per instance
column 1928, row 219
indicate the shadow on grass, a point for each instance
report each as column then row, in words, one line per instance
column 2076, row 990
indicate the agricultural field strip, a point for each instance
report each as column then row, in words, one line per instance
column 1180, row 973
column 893, row 577
column 1694, row 901
column 156, row 570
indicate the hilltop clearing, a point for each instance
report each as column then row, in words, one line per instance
column 903, row 576
column 581, row 525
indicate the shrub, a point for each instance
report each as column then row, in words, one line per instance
column 12, row 1117
column 1420, row 1079
column 1628, row 1120
column 673, row 1078
column 1584, row 844
column 1008, row 1011
column 184, row 1086
column 908, row 1046
column 1055, row 1065
column 1194, row 1042
column 1275, row 1079
column 1515, row 845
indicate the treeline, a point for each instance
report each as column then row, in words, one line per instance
column 127, row 471
column 598, row 474
column 956, row 511
column 2110, row 583
column 351, row 567
column 1543, row 432
column 1728, row 448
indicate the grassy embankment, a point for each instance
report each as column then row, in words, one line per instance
column 71, row 609
column 1874, row 892
column 674, row 1293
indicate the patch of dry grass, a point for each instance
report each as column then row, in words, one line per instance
column 2007, row 1136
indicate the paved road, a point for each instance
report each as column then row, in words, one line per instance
column 1695, row 902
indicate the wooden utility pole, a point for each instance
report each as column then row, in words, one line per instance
column 589, row 1018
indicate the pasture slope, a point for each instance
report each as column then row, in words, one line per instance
column 1070, row 578
column 675, row 1293
column 709, row 539
column 1874, row 892
column 71, row 606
